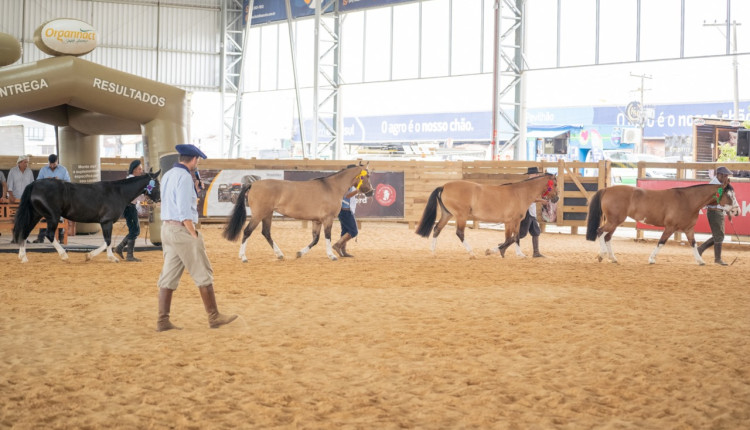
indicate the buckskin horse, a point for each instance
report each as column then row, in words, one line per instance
column 675, row 209
column 101, row 202
column 317, row 200
column 506, row 203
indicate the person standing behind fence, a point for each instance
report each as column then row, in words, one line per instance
column 182, row 245
column 4, row 186
column 131, row 218
column 18, row 178
column 715, row 216
column 53, row 170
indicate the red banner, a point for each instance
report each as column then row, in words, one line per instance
column 742, row 192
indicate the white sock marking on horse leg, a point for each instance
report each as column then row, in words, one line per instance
column 468, row 247
column 329, row 250
column 242, row 251
column 518, row 251
column 652, row 258
column 602, row 247
column 60, row 250
column 22, row 252
column 433, row 245
column 305, row 250
column 111, row 255
column 610, row 252
column 696, row 254
column 278, row 252
column 96, row 252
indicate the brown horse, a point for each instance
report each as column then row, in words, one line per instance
column 317, row 200
column 505, row 203
column 675, row 209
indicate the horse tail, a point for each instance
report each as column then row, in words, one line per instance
column 595, row 216
column 24, row 219
column 430, row 213
column 238, row 217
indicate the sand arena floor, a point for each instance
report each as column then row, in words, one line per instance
column 394, row 338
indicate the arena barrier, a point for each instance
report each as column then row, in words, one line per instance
column 577, row 182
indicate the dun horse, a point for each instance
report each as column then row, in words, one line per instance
column 675, row 209
column 100, row 202
column 505, row 203
column 317, row 200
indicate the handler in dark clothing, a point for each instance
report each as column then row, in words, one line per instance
column 715, row 215
column 348, row 222
column 131, row 218
column 530, row 225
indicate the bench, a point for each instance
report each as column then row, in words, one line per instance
column 8, row 212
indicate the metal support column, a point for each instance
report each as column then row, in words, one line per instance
column 327, row 78
column 234, row 41
column 509, row 63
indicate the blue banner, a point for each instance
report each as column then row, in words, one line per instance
column 350, row 5
column 266, row 11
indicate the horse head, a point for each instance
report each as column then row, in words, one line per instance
column 550, row 194
column 153, row 189
column 362, row 181
column 725, row 197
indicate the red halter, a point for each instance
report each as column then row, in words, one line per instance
column 550, row 186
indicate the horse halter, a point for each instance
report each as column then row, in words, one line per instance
column 550, row 187
column 361, row 176
column 151, row 185
column 719, row 193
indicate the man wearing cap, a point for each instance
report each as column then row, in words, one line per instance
column 54, row 170
column 18, row 178
column 530, row 224
column 182, row 245
column 715, row 216
column 131, row 217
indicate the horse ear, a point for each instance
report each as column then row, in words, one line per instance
column 154, row 175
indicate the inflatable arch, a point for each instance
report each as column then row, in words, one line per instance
column 86, row 100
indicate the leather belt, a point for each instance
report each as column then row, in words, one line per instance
column 172, row 222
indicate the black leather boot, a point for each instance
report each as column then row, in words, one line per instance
column 131, row 245
column 717, row 255
column 705, row 245
column 165, row 303
column 215, row 319
column 120, row 247
column 40, row 237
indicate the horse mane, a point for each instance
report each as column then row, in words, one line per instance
column 548, row 175
column 127, row 180
column 334, row 173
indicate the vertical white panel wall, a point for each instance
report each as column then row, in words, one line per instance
column 172, row 41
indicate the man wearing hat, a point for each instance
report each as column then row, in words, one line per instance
column 131, row 218
column 715, row 215
column 530, row 223
column 18, row 178
column 54, row 170
column 182, row 245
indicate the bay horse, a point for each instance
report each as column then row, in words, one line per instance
column 317, row 200
column 101, row 202
column 675, row 209
column 506, row 203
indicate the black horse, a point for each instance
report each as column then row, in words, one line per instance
column 101, row 202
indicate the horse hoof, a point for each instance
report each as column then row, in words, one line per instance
column 487, row 252
column 299, row 255
column 599, row 257
column 88, row 257
column 472, row 257
column 24, row 260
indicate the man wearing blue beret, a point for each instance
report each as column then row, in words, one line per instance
column 182, row 244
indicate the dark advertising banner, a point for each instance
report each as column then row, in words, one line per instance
column 741, row 222
column 387, row 202
column 222, row 187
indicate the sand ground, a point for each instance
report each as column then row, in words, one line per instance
column 394, row 338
